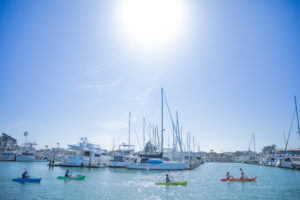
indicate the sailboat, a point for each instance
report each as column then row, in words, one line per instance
column 157, row 161
column 289, row 161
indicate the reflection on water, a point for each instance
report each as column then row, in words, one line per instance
column 105, row 183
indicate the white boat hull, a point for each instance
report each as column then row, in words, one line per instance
column 284, row 164
column 22, row 158
column 117, row 164
column 7, row 157
column 161, row 166
column 84, row 161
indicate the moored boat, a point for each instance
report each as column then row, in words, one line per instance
column 288, row 161
column 157, row 165
column 28, row 152
column 121, row 157
column 8, row 156
column 284, row 163
column 85, row 154
column 154, row 156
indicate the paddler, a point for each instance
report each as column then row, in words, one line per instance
column 67, row 174
column 167, row 178
column 228, row 175
column 25, row 174
column 242, row 175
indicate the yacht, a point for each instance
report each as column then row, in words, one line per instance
column 26, row 156
column 295, row 162
column 28, row 152
column 290, row 162
column 284, row 163
column 122, row 157
column 85, row 154
column 8, row 156
column 268, row 160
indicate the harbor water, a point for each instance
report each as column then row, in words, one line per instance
column 107, row 183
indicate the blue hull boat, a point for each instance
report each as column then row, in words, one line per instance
column 27, row 179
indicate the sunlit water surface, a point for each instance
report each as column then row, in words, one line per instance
column 203, row 183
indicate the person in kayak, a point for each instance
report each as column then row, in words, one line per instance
column 242, row 175
column 25, row 174
column 67, row 174
column 228, row 176
column 168, row 178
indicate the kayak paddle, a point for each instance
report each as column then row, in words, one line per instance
column 244, row 173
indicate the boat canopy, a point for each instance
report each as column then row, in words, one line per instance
column 154, row 161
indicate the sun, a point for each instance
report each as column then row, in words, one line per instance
column 150, row 24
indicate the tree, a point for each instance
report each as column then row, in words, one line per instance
column 149, row 148
column 238, row 153
column 269, row 149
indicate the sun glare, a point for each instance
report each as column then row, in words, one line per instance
column 151, row 24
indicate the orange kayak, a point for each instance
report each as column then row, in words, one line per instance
column 238, row 179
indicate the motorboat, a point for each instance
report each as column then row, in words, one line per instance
column 122, row 157
column 8, row 156
column 85, row 154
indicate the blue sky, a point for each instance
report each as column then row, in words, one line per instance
column 76, row 68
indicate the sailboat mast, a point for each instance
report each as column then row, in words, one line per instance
column 162, row 120
column 193, row 143
column 297, row 116
column 254, row 143
column 178, row 135
column 129, row 131
column 143, row 132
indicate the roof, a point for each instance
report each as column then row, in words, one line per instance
column 288, row 149
column 228, row 152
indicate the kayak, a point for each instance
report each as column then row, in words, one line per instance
column 78, row 177
column 172, row 183
column 238, row 179
column 27, row 179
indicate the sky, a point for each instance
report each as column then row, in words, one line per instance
column 72, row 69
